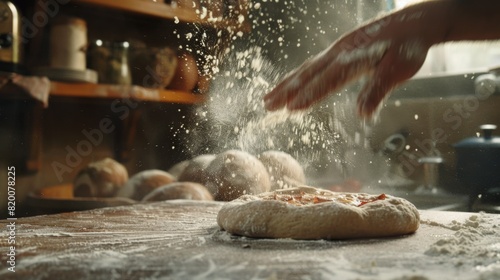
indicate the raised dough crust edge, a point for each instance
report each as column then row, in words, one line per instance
column 253, row 217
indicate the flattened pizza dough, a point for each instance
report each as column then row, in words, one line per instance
column 311, row 213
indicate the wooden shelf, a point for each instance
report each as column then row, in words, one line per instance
column 162, row 10
column 148, row 8
column 120, row 91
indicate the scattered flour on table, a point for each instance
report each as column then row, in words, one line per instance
column 467, row 238
column 489, row 272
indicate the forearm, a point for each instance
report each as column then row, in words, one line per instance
column 473, row 20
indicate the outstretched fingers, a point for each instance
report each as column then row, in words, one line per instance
column 292, row 84
column 334, row 77
column 372, row 94
column 323, row 75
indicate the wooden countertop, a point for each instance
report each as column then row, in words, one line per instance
column 181, row 240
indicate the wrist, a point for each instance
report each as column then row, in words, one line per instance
column 472, row 20
column 441, row 19
column 431, row 21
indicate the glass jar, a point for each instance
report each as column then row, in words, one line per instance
column 110, row 60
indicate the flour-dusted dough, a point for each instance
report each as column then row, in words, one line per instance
column 103, row 178
column 284, row 170
column 263, row 216
column 195, row 170
column 234, row 173
column 144, row 182
column 177, row 169
column 179, row 190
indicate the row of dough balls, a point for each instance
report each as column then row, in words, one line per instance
column 221, row 177
column 109, row 178
column 233, row 173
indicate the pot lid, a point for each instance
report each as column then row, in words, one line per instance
column 486, row 141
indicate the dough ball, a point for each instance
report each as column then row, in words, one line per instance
column 186, row 73
column 144, row 182
column 152, row 67
column 102, row 178
column 234, row 173
column 178, row 168
column 195, row 171
column 179, row 190
column 284, row 170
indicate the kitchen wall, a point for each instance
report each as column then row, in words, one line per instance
column 440, row 100
column 432, row 123
column 438, row 110
column 289, row 32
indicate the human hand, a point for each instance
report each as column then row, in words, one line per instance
column 389, row 50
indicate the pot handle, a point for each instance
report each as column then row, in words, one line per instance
column 488, row 130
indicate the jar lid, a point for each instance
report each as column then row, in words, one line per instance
column 110, row 44
column 486, row 141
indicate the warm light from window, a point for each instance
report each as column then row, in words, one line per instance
column 402, row 3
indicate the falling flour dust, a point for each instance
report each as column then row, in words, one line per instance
column 234, row 118
column 328, row 140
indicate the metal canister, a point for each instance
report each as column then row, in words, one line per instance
column 68, row 43
column 10, row 37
